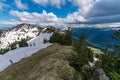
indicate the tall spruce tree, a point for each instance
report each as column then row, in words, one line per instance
column 68, row 37
column 84, row 54
column 116, row 37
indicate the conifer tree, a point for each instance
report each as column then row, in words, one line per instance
column 55, row 38
column 62, row 38
column 110, row 60
column 83, row 56
column 116, row 37
column 23, row 43
column 13, row 46
column 68, row 37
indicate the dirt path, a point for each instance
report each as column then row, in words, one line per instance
column 47, row 64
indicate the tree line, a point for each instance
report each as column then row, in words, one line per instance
column 62, row 38
column 109, row 61
column 14, row 45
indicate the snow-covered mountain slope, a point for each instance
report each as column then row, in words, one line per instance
column 39, row 39
column 21, row 31
column 23, row 52
column 64, row 28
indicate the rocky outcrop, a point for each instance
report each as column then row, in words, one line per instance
column 101, row 74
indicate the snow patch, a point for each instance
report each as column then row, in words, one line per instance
column 18, row 33
column 23, row 52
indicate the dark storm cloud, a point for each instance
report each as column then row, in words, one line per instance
column 104, row 11
column 103, row 19
column 105, row 8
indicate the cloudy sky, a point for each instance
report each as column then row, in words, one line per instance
column 74, row 13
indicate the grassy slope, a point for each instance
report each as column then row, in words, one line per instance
column 48, row 64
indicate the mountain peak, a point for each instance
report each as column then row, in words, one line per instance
column 17, row 33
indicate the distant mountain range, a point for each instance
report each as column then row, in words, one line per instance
column 97, row 37
column 4, row 28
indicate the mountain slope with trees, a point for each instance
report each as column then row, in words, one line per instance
column 68, row 60
column 62, row 38
column 110, row 60
column 17, row 34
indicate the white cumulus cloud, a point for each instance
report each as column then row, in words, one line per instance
column 74, row 18
column 20, row 5
column 90, row 13
column 36, row 18
column 84, row 5
column 55, row 3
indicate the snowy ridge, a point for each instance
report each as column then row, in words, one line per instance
column 23, row 52
column 64, row 28
column 22, row 31
column 38, row 41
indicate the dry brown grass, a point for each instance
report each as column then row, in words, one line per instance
column 47, row 64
